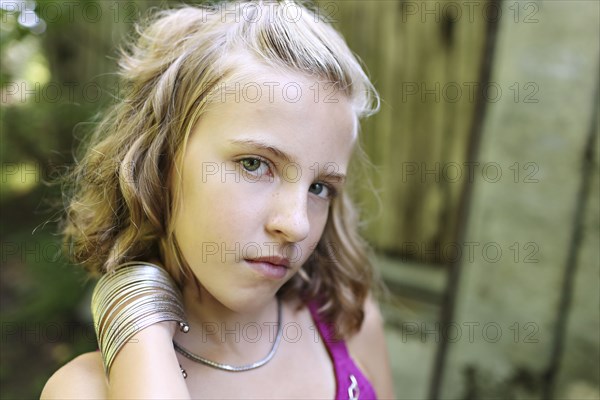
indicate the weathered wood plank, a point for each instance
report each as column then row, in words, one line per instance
column 422, row 57
column 522, row 224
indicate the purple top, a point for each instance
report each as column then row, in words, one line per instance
column 351, row 384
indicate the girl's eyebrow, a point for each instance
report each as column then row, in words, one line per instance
column 263, row 146
column 333, row 176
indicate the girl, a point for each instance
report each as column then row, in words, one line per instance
column 215, row 195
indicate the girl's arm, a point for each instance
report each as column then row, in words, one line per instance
column 368, row 347
column 145, row 368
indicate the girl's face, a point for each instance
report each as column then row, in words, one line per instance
column 259, row 172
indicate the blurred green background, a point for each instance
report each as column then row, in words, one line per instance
column 486, row 224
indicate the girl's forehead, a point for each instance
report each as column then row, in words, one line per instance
column 260, row 84
column 262, row 99
column 301, row 98
column 292, row 111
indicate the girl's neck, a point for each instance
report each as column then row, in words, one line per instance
column 216, row 330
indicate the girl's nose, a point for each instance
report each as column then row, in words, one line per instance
column 288, row 217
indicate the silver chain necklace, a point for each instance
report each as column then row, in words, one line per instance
column 235, row 368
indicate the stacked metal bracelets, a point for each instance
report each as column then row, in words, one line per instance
column 132, row 298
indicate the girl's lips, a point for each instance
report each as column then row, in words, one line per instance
column 272, row 270
column 275, row 260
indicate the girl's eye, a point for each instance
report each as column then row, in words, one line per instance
column 254, row 165
column 250, row 164
column 322, row 190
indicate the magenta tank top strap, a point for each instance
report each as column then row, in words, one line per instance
column 351, row 384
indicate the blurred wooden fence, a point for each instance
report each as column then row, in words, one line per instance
column 521, row 78
column 426, row 60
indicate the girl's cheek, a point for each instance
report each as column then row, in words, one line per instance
column 317, row 223
column 318, row 211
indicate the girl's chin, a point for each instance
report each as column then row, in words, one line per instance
column 238, row 300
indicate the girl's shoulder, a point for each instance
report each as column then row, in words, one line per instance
column 368, row 348
column 81, row 378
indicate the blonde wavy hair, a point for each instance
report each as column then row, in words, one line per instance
column 120, row 207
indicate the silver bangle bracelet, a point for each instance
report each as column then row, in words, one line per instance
column 130, row 299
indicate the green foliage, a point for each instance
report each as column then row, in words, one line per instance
column 44, row 305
